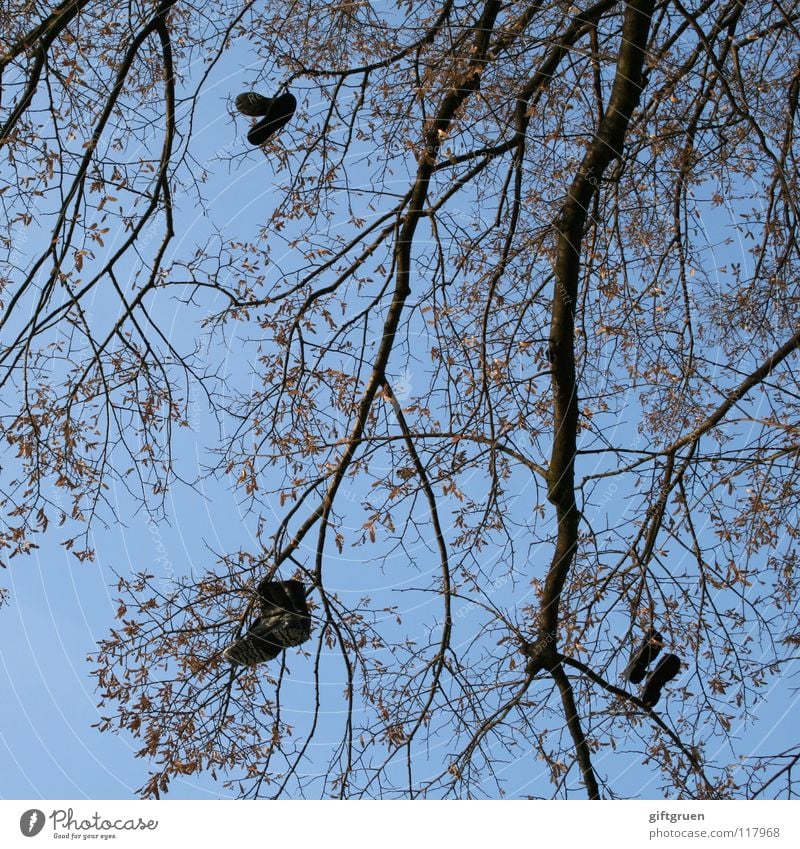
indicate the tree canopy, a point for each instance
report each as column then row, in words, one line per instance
column 495, row 344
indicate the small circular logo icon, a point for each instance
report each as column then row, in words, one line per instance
column 31, row 822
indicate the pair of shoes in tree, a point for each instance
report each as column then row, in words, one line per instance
column 284, row 622
column 276, row 112
column 666, row 669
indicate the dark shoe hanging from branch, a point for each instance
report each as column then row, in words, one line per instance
column 284, row 622
column 276, row 111
column 668, row 667
column 253, row 104
column 643, row 657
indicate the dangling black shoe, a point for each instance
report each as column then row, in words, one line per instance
column 643, row 657
column 258, row 645
column 252, row 104
column 284, row 621
column 668, row 667
column 279, row 112
column 287, row 599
